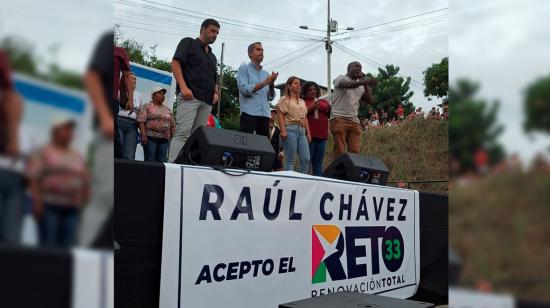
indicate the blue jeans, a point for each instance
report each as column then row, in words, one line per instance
column 156, row 149
column 12, row 192
column 296, row 141
column 58, row 225
column 317, row 153
column 127, row 131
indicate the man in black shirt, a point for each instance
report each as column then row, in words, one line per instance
column 194, row 67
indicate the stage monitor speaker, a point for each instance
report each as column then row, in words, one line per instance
column 358, row 168
column 354, row 300
column 210, row 146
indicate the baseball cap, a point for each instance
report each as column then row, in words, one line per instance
column 62, row 121
column 158, row 89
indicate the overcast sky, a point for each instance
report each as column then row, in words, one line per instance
column 413, row 49
column 504, row 45
column 71, row 26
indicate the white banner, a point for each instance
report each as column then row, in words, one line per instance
column 262, row 239
column 463, row 298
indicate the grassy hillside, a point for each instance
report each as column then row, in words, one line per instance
column 414, row 150
column 499, row 226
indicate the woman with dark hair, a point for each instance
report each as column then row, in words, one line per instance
column 318, row 111
column 295, row 135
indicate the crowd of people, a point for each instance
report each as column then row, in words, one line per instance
column 380, row 118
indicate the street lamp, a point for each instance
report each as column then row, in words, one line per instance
column 332, row 26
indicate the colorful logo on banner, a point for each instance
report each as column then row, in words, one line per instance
column 328, row 243
column 327, row 246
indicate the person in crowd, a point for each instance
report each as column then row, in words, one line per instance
column 60, row 185
column 432, row 113
column 365, row 124
column 194, row 68
column 256, row 89
column 127, row 124
column 375, row 122
column 400, row 113
column 419, row 112
column 295, row 134
column 445, row 113
column 383, row 117
column 12, row 188
column 349, row 89
column 157, row 126
column 274, row 137
column 318, row 112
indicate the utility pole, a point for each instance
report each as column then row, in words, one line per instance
column 328, row 47
column 221, row 84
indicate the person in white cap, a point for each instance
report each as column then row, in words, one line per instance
column 60, row 185
column 157, row 126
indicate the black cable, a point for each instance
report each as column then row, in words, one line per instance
column 354, row 53
column 304, row 51
column 396, row 20
column 231, row 22
column 288, row 54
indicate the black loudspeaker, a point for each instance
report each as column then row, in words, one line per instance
column 358, row 168
column 210, row 146
column 354, row 300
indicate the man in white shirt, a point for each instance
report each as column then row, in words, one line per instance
column 349, row 89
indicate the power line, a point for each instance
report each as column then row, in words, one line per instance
column 135, row 16
column 291, row 53
column 179, row 34
column 393, row 21
column 190, row 31
column 356, row 54
column 429, row 21
column 227, row 21
column 304, row 51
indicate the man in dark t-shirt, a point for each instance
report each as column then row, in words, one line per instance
column 194, row 68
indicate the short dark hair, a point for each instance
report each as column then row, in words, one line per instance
column 251, row 47
column 209, row 22
column 353, row 63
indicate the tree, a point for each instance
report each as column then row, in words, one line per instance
column 390, row 91
column 229, row 108
column 24, row 61
column 536, row 105
column 472, row 125
column 436, row 79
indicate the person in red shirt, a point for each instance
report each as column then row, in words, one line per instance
column 400, row 113
column 318, row 111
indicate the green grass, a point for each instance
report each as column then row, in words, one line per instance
column 415, row 150
column 499, row 226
